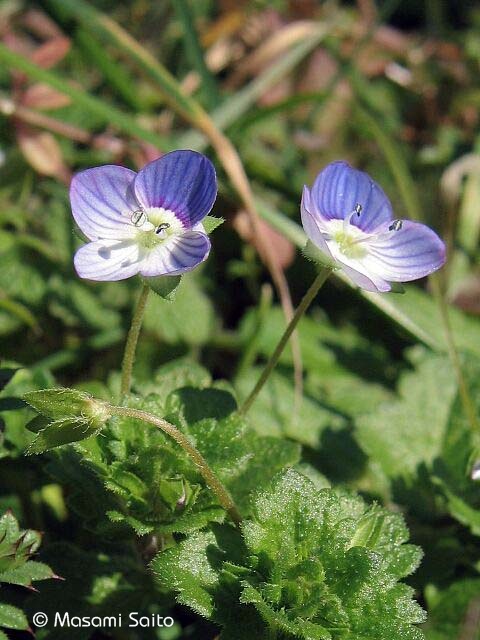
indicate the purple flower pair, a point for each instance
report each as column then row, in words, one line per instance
column 147, row 222
column 150, row 223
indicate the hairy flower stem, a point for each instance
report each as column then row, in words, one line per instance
column 302, row 307
column 208, row 475
column 131, row 344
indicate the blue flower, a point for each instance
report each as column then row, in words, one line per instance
column 350, row 219
column 147, row 222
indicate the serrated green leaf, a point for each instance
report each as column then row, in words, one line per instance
column 305, row 565
column 407, row 432
column 9, row 529
column 140, row 528
column 187, row 570
column 423, row 441
column 27, row 574
column 16, row 548
column 13, row 618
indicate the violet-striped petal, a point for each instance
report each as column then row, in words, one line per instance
column 339, row 188
column 369, row 283
column 411, row 252
column 181, row 254
column 312, row 224
column 102, row 202
column 181, row 181
column 108, row 260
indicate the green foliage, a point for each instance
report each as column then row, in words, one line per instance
column 424, row 443
column 454, row 611
column 16, row 548
column 67, row 415
column 14, row 412
column 142, row 480
column 308, row 564
column 377, row 419
column 17, row 567
column 98, row 583
column 189, row 320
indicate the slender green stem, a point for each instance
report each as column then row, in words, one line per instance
column 132, row 339
column 302, row 307
column 209, row 476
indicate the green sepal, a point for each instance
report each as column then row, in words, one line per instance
column 397, row 287
column 37, row 424
column 210, row 223
column 62, row 403
column 164, row 286
column 64, row 431
column 313, row 253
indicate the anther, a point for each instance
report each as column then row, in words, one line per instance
column 346, row 221
column 396, row 225
column 162, row 227
column 138, row 217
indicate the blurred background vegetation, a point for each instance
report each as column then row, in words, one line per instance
column 392, row 87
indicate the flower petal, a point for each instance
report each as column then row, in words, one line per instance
column 182, row 253
column 375, row 285
column 181, row 181
column 411, row 252
column 339, row 188
column 312, row 224
column 103, row 201
column 108, row 260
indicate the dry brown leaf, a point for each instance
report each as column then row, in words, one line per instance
column 42, row 96
column 49, row 53
column 40, row 24
column 271, row 49
column 42, row 152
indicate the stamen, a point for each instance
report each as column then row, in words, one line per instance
column 138, row 217
column 346, row 221
column 162, row 227
column 396, row 225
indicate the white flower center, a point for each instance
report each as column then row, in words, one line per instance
column 344, row 237
column 157, row 226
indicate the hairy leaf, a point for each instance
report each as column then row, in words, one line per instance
column 312, row 564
